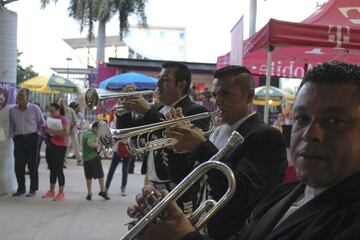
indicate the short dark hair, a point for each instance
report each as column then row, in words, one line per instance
column 58, row 107
column 237, row 71
column 182, row 73
column 26, row 91
column 333, row 72
column 73, row 105
column 95, row 124
column 230, row 70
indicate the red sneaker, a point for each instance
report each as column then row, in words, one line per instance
column 58, row 196
column 48, row 194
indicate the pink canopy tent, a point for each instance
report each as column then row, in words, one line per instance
column 286, row 49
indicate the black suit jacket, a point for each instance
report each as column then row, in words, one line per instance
column 258, row 164
column 168, row 165
column 334, row 214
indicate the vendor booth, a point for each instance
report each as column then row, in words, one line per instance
column 288, row 49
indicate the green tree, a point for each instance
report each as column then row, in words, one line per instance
column 23, row 74
column 87, row 12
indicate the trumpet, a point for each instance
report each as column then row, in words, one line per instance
column 198, row 218
column 93, row 98
column 108, row 137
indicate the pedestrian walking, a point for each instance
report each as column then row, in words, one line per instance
column 121, row 155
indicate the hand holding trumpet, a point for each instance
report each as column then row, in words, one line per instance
column 173, row 224
column 187, row 137
column 135, row 103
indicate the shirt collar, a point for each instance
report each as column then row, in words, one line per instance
column 311, row 193
column 173, row 104
column 27, row 105
column 241, row 121
column 165, row 109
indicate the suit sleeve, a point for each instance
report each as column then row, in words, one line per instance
column 203, row 124
column 261, row 167
column 204, row 152
column 258, row 164
column 125, row 120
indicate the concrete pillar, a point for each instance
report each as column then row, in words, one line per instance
column 8, row 62
column 252, row 22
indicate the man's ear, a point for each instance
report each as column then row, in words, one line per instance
column 251, row 95
column 181, row 85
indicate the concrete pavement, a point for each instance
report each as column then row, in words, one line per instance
column 73, row 217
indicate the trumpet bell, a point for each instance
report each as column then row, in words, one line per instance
column 91, row 98
column 105, row 135
column 94, row 96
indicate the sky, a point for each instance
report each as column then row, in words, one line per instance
column 207, row 22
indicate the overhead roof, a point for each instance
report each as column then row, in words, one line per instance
column 85, row 43
column 142, row 64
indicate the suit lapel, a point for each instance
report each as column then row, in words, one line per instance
column 246, row 129
column 267, row 223
column 349, row 189
column 184, row 104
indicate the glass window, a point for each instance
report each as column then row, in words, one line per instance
column 148, row 34
column 181, row 35
column 162, row 34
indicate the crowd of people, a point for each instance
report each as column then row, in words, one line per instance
column 324, row 146
column 61, row 127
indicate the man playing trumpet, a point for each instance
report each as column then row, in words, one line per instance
column 165, row 168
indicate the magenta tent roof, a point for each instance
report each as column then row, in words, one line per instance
column 330, row 33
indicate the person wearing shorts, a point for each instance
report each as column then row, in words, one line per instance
column 92, row 162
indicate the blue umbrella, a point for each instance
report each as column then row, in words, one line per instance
column 141, row 81
column 104, row 83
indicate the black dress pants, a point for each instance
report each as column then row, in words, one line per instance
column 25, row 152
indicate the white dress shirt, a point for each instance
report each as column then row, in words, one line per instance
column 309, row 193
column 222, row 133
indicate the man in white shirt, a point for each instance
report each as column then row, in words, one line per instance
column 26, row 122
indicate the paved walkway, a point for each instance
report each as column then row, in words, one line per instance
column 72, row 218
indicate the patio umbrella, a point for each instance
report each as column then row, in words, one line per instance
column 277, row 96
column 141, row 81
column 50, row 85
column 37, row 84
column 104, row 83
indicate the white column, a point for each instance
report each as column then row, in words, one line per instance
column 8, row 61
column 252, row 22
column 268, row 78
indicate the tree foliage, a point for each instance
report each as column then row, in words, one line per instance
column 87, row 12
column 23, row 74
